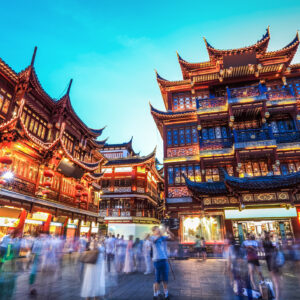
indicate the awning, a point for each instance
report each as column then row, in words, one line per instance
column 260, row 213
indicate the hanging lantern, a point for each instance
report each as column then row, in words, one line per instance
column 83, row 200
column 46, row 184
column 199, row 127
column 267, row 114
column 79, row 187
column 230, row 124
column 2, row 181
column 48, row 173
column 232, row 118
column 6, row 160
column 45, row 192
column 277, row 163
column 85, row 194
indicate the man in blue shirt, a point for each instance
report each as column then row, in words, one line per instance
column 160, row 259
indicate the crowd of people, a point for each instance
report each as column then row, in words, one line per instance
column 244, row 264
column 102, row 259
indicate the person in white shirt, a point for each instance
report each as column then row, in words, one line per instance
column 147, row 246
column 110, row 246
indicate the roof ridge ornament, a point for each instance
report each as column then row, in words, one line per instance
column 33, row 56
column 69, row 87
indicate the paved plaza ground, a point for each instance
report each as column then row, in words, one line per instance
column 194, row 280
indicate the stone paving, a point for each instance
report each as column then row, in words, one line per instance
column 194, row 280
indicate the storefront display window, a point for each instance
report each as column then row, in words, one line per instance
column 207, row 227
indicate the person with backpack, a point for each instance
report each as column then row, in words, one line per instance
column 251, row 246
column 275, row 260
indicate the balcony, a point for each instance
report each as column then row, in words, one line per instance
column 248, row 138
column 215, row 144
column 244, row 92
column 125, row 213
column 280, row 94
column 208, row 105
column 287, row 137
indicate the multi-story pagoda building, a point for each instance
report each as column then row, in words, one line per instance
column 50, row 164
column 237, row 111
column 132, row 186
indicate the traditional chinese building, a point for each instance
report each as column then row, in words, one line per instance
column 237, row 111
column 49, row 158
column 132, row 199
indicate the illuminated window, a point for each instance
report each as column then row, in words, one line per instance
column 212, row 174
column 191, row 173
column 171, row 175
column 195, row 135
column 177, row 175
column 181, row 137
column 175, row 137
column 188, row 135
column 169, row 137
column 197, row 174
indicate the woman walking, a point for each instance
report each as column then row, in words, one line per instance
column 128, row 266
column 93, row 284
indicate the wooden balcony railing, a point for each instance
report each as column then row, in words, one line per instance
column 210, row 102
column 215, row 144
column 287, row 137
column 248, row 135
column 115, row 212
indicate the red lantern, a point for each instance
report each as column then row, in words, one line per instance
column 84, row 200
column 78, row 195
column 78, row 187
column 2, row 182
column 46, row 184
column 48, row 173
column 85, row 194
column 45, row 192
column 5, row 160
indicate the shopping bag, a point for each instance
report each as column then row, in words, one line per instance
column 255, row 294
column 264, row 290
column 271, row 292
column 89, row 257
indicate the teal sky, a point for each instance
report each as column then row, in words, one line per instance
column 111, row 48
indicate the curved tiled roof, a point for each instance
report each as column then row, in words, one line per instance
column 263, row 182
column 206, row 188
column 260, row 46
column 259, row 183
column 132, row 160
column 169, row 114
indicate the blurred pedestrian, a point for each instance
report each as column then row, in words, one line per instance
column 147, row 247
column 110, row 245
column 160, row 259
column 273, row 263
column 93, row 284
column 129, row 264
column 251, row 247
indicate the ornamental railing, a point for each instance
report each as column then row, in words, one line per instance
column 210, row 102
column 213, row 144
column 287, row 137
column 279, row 94
column 248, row 135
column 242, row 92
column 115, row 212
column 22, row 186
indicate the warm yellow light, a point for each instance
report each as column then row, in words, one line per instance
column 191, row 223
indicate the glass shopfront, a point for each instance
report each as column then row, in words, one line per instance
column 281, row 230
column 276, row 221
column 207, row 227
